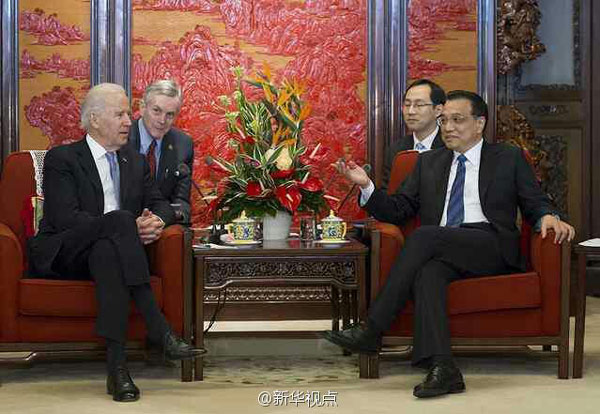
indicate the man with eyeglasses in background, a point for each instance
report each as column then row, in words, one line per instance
column 466, row 196
column 168, row 150
column 421, row 106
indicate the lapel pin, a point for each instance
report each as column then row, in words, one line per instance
column 170, row 146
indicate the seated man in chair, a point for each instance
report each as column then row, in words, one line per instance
column 101, row 206
column 168, row 150
column 467, row 197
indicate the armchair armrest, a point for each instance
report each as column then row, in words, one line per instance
column 169, row 258
column 546, row 260
column 11, row 271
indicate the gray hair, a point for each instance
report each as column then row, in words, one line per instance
column 95, row 101
column 167, row 87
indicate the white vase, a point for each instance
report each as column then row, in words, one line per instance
column 278, row 227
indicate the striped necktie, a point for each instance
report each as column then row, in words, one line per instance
column 456, row 205
column 115, row 175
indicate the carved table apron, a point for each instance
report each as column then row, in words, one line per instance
column 277, row 271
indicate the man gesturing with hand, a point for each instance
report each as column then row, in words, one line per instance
column 466, row 196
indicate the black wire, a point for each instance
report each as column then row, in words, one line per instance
column 218, row 308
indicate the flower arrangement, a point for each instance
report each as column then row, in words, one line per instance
column 271, row 168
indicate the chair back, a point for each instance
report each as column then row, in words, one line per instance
column 17, row 186
column 404, row 163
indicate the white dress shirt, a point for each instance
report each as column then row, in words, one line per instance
column 99, row 154
column 427, row 142
column 472, row 203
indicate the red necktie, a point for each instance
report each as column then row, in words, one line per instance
column 151, row 158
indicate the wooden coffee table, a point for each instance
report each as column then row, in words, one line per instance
column 289, row 263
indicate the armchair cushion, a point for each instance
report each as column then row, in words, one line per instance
column 66, row 298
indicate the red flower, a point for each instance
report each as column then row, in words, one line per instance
column 253, row 189
column 312, row 184
column 282, row 173
column 289, row 197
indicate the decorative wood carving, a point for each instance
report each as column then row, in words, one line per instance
column 218, row 273
column 514, row 129
column 549, row 110
column 272, row 294
column 518, row 21
column 555, row 183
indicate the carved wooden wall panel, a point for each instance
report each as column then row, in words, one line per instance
column 556, row 111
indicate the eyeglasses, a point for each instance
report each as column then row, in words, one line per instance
column 455, row 119
column 417, row 105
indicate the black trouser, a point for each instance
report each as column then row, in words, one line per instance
column 432, row 258
column 109, row 250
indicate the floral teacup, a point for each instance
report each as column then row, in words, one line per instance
column 242, row 229
column 334, row 228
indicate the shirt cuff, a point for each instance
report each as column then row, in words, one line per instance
column 365, row 193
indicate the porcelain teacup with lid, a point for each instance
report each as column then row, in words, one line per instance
column 333, row 227
column 242, row 229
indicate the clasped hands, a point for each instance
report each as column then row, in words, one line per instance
column 149, row 226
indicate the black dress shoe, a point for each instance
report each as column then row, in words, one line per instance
column 355, row 339
column 175, row 348
column 120, row 385
column 441, row 379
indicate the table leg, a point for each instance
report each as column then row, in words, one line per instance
column 199, row 325
column 580, row 317
column 335, row 309
column 188, row 300
column 345, row 309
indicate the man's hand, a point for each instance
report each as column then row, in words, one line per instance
column 353, row 173
column 562, row 230
column 149, row 226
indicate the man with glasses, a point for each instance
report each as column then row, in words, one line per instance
column 168, row 150
column 467, row 197
column 421, row 106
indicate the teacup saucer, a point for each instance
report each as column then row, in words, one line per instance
column 242, row 242
column 332, row 241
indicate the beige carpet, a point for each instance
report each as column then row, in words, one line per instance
column 495, row 384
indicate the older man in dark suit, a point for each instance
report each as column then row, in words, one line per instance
column 168, row 150
column 101, row 206
column 467, row 197
column 421, row 106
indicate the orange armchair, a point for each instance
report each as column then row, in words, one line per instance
column 38, row 315
column 530, row 308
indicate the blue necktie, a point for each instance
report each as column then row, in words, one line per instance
column 114, row 175
column 420, row 147
column 456, row 205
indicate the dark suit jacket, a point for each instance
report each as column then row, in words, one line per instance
column 73, row 197
column 403, row 144
column 176, row 149
column 506, row 181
